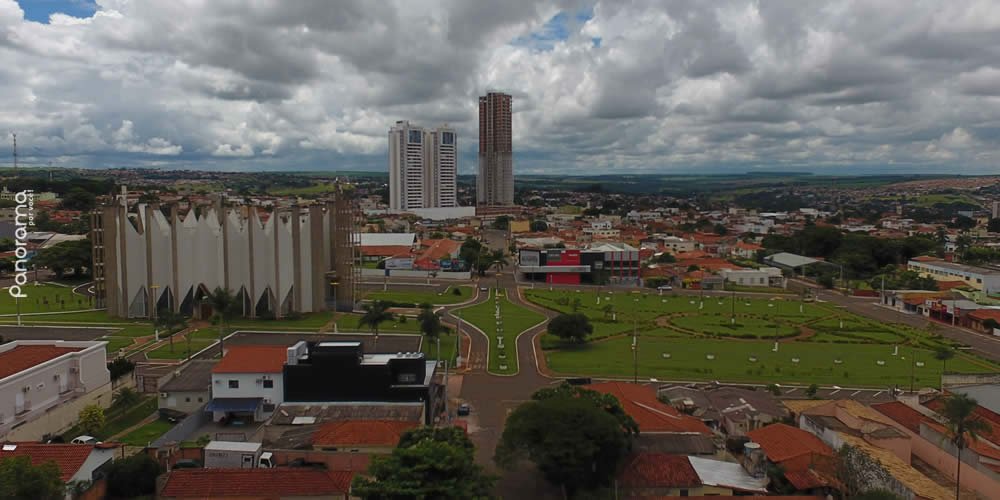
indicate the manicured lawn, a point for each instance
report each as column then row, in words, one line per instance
column 816, row 364
column 117, row 419
column 180, row 350
column 44, row 298
column 116, row 343
column 349, row 322
column 683, row 326
column 429, row 348
column 308, row 321
column 69, row 317
column 430, row 297
column 516, row 319
column 147, row 433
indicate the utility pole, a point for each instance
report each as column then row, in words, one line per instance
column 635, row 347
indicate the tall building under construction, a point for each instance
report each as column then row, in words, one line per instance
column 275, row 261
column 495, row 182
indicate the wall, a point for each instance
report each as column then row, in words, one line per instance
column 61, row 417
column 187, row 402
column 51, row 385
column 945, row 463
column 248, row 388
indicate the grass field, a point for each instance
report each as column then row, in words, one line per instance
column 516, row 319
column 448, row 346
column 445, row 298
column 348, row 322
column 44, row 298
column 117, row 419
column 308, row 321
column 147, row 433
column 689, row 330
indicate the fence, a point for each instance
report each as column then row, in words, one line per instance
column 185, row 429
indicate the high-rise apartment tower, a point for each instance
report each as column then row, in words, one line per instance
column 423, row 167
column 495, row 183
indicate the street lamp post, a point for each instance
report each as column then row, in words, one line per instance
column 156, row 328
column 635, row 346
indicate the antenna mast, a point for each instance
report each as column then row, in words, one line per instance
column 15, row 152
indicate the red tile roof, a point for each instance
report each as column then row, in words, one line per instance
column 658, row 470
column 993, row 419
column 68, row 457
column 782, row 442
column 22, row 357
column 903, row 414
column 361, row 432
column 640, row 402
column 439, row 249
column 255, row 483
column 811, row 470
column 985, row 314
column 385, row 250
column 253, row 359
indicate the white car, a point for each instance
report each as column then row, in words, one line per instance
column 664, row 287
column 84, row 440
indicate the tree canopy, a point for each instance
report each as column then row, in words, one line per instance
column 428, row 463
column 575, row 327
column 574, row 443
column 66, row 256
column 19, row 480
column 133, row 476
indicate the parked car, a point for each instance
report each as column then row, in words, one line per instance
column 464, row 409
column 84, row 440
column 187, row 463
column 665, row 287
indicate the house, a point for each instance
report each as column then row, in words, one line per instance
column 652, row 416
column 980, row 472
column 44, row 384
column 875, row 444
column 807, row 462
column 188, row 389
column 77, row 463
column 252, row 484
column 761, row 277
column 734, row 409
column 248, row 382
column 745, row 250
column 980, row 278
column 660, row 474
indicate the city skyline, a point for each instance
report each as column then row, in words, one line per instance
column 601, row 86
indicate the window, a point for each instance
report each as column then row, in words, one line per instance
column 684, row 493
column 187, row 400
column 407, row 378
column 234, row 384
column 268, row 407
column 269, row 384
column 201, row 400
column 415, row 137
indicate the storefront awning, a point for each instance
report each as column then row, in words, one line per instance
column 234, row 404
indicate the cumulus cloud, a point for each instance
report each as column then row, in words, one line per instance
column 598, row 85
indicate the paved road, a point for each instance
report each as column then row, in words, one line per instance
column 493, row 397
column 14, row 332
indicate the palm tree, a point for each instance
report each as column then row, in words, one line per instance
column 608, row 309
column 224, row 306
column 963, row 427
column 375, row 314
column 943, row 354
column 170, row 322
column 430, row 325
column 499, row 259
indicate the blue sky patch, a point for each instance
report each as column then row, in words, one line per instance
column 40, row 10
column 554, row 30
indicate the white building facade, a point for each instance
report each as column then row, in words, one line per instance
column 45, row 383
column 423, row 167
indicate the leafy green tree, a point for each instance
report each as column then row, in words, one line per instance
column 78, row 199
column 134, row 476
column 125, row 397
column 66, row 256
column 720, row 229
column 375, row 314
column 606, row 402
column 943, row 354
column 428, row 463
column 502, row 222
column 171, row 322
column 574, row 327
column 224, row 305
column 499, row 259
column 538, row 226
column 963, row 427
column 993, row 226
column 6, row 244
column 812, row 390
column 576, row 444
column 91, row 419
column 19, row 480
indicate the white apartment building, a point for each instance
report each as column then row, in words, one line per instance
column 423, row 167
column 45, row 383
column 763, row 277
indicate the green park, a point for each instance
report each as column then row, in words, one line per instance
column 729, row 338
column 502, row 330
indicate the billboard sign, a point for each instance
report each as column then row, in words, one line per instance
column 530, row 258
column 399, row 263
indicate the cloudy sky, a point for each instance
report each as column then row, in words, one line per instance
column 612, row 86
